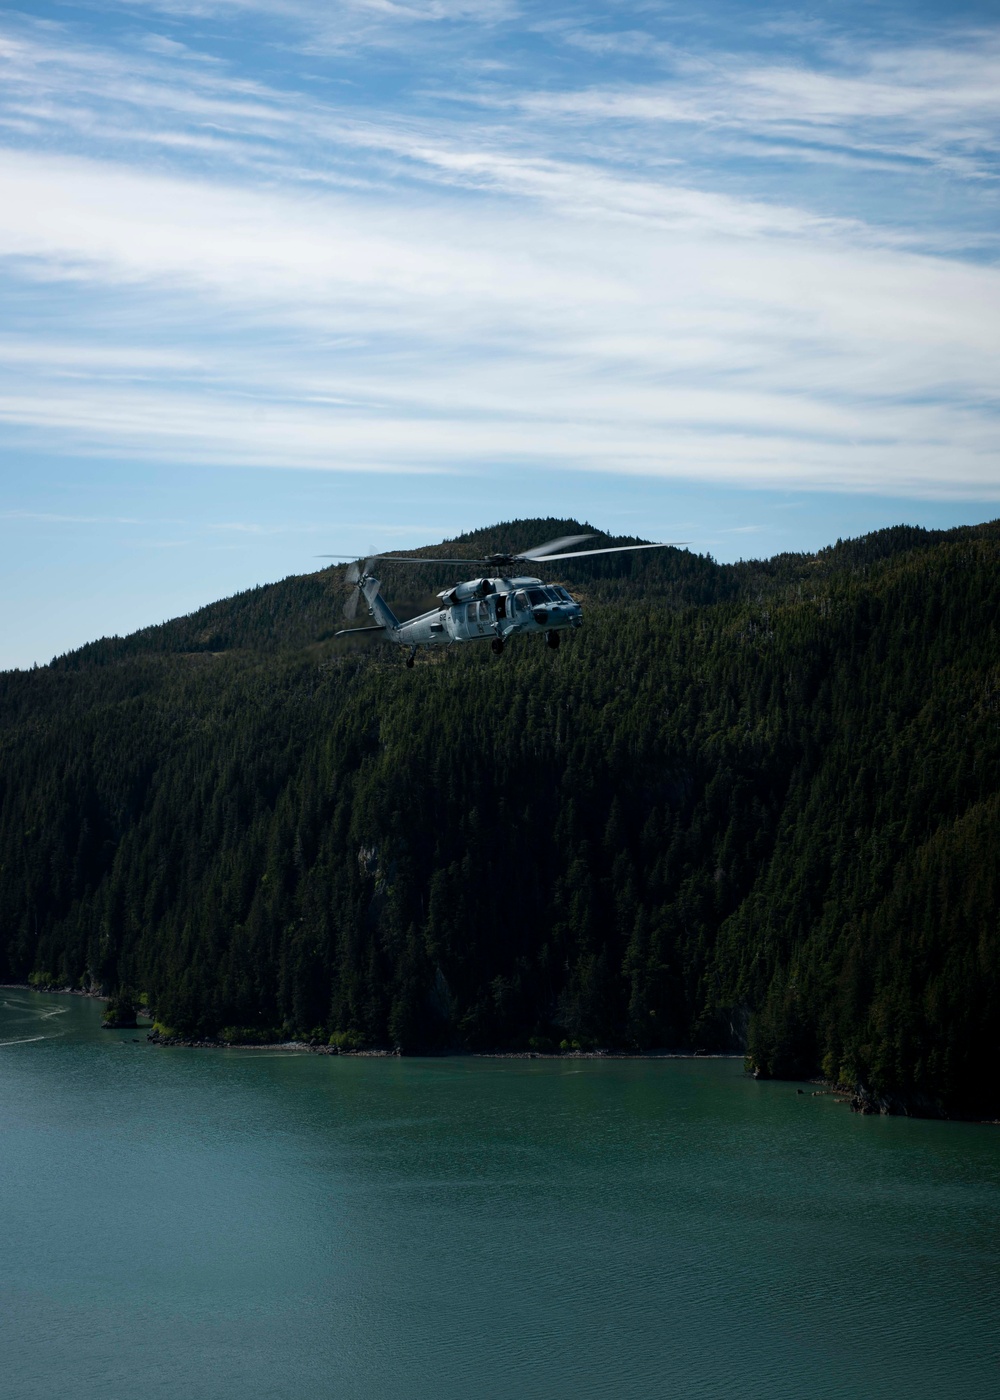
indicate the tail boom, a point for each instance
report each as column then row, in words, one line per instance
column 378, row 607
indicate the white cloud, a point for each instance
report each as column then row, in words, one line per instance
column 892, row 109
column 301, row 299
column 934, row 104
column 451, row 336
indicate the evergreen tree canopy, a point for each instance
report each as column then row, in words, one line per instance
column 752, row 805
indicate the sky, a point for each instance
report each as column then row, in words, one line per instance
column 281, row 278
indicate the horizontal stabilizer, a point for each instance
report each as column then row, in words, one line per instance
column 350, row 631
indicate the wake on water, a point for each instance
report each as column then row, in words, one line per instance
column 35, row 1014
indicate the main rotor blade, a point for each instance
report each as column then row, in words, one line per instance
column 351, row 606
column 553, row 546
column 397, row 559
column 615, row 549
column 535, row 556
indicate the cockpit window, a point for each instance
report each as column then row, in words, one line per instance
column 564, row 595
column 536, row 596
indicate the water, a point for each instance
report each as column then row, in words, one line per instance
column 214, row 1225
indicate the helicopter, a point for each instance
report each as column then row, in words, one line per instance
column 503, row 602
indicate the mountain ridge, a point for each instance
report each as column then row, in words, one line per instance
column 702, row 824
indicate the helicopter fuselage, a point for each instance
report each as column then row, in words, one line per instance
column 482, row 609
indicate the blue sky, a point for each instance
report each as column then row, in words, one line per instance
column 288, row 277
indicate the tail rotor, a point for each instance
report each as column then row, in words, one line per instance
column 354, row 578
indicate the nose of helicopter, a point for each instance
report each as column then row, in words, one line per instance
column 569, row 614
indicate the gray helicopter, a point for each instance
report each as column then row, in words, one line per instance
column 491, row 608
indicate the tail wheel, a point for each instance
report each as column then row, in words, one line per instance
column 552, row 639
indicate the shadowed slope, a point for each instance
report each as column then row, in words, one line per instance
column 709, row 816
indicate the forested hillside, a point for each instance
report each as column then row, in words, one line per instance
column 750, row 806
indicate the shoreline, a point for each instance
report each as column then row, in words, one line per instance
column 52, row 991
column 859, row 1100
column 303, row 1047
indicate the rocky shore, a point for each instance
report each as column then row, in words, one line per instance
column 861, row 1099
column 157, row 1037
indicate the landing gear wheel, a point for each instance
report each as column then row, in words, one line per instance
column 409, row 663
column 496, row 646
column 552, row 639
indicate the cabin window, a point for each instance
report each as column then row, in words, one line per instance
column 484, row 611
column 470, row 612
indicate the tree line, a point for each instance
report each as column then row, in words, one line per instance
column 747, row 807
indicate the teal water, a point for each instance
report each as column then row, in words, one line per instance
column 213, row 1225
